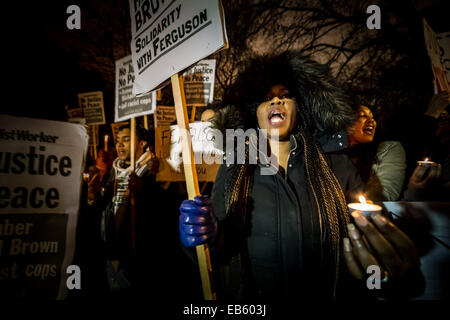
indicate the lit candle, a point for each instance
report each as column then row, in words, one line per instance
column 426, row 163
column 86, row 176
column 106, row 142
column 365, row 208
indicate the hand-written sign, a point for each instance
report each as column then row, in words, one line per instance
column 127, row 104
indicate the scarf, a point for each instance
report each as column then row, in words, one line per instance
column 121, row 192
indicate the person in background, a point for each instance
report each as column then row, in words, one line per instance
column 425, row 185
column 88, row 242
column 129, row 262
column 431, row 182
column 207, row 115
column 381, row 165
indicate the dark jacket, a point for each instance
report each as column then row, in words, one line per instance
column 157, row 250
column 281, row 255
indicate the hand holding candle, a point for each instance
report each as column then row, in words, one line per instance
column 426, row 163
column 426, row 175
column 365, row 208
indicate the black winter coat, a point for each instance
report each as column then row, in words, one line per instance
column 281, row 257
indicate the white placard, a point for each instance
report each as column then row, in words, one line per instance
column 199, row 83
column 170, row 36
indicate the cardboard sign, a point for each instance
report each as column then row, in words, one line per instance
column 164, row 116
column 168, row 150
column 199, row 83
column 40, row 188
column 93, row 108
column 170, row 36
column 127, row 104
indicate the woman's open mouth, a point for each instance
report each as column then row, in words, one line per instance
column 276, row 117
column 369, row 130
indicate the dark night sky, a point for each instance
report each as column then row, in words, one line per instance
column 41, row 77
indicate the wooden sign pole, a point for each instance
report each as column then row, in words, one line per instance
column 132, row 195
column 133, row 142
column 190, row 174
column 146, row 122
column 146, row 128
column 193, row 113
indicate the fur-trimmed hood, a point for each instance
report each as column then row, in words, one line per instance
column 323, row 106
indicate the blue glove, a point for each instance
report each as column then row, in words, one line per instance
column 198, row 223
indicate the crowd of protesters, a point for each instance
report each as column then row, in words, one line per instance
column 283, row 235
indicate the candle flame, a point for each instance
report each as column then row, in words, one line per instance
column 362, row 199
column 106, row 137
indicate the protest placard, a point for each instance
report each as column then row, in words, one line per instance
column 127, row 104
column 437, row 59
column 168, row 37
column 74, row 112
column 93, row 108
column 164, row 116
column 40, row 176
column 160, row 34
column 168, row 149
column 443, row 40
column 199, row 83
